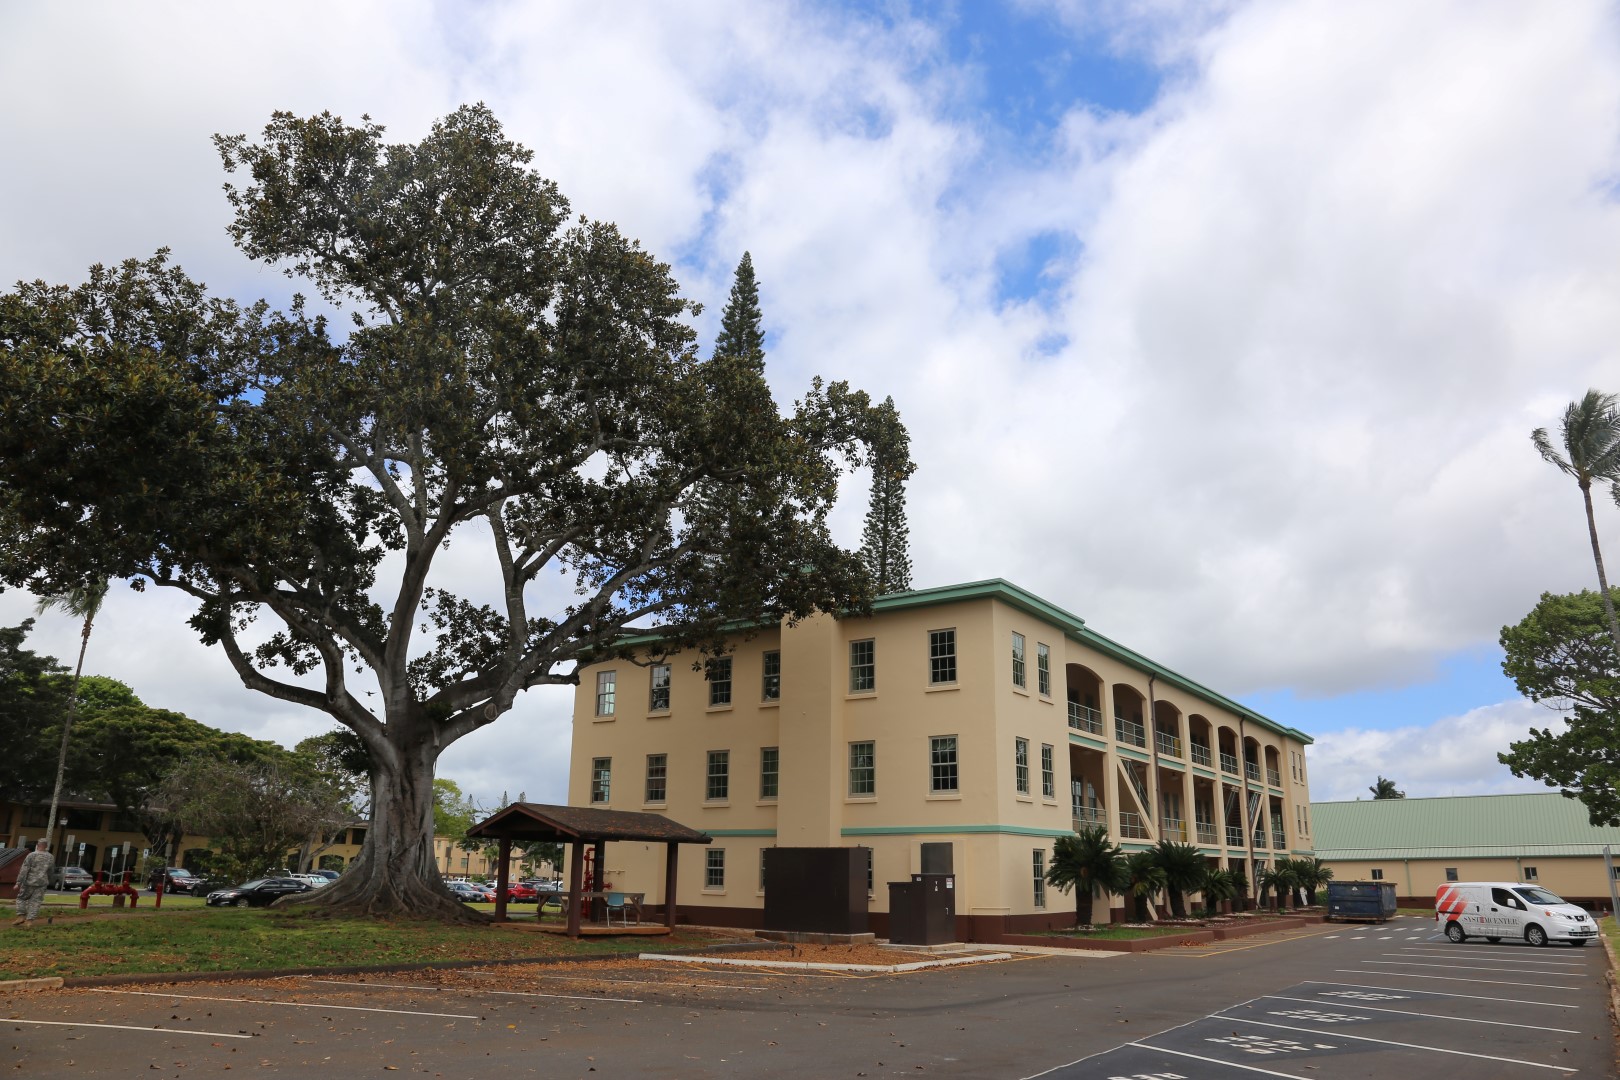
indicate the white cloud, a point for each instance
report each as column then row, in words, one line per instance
column 1455, row 755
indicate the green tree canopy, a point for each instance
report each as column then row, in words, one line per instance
column 886, row 537
column 1383, row 788
column 1086, row 862
column 33, row 697
column 742, row 331
column 1590, row 434
column 509, row 378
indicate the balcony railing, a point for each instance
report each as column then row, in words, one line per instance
column 1259, row 839
column 1129, row 731
column 1252, row 770
column 1229, row 763
column 1200, row 754
column 1130, row 825
column 1085, row 816
column 1085, row 718
column 1274, row 778
column 1234, row 836
column 1279, row 841
column 1206, row 832
column 1173, row 828
column 1169, row 745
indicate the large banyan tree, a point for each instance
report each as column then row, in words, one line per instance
column 505, row 375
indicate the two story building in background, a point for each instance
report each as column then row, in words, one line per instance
column 976, row 714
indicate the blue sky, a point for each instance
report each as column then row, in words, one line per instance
column 1223, row 326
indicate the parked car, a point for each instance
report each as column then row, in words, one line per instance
column 518, row 892
column 545, row 885
column 329, row 875
column 176, row 879
column 260, row 892
column 467, row 893
column 314, row 881
column 76, row 878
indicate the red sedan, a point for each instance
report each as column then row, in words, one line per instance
column 518, row 892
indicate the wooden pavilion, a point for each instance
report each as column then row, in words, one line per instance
column 577, row 826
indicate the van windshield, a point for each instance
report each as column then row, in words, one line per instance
column 1539, row 896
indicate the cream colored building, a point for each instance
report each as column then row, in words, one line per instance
column 976, row 714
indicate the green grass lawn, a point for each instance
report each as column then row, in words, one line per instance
column 1610, row 930
column 236, row 939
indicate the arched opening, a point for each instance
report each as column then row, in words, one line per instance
column 1167, row 729
column 1198, row 740
column 1085, row 699
column 1273, row 767
column 1129, row 707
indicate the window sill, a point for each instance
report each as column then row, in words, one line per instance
column 860, row 799
column 719, row 708
column 1024, row 798
column 1047, row 699
column 603, row 719
column 713, row 892
column 1021, row 691
column 940, row 688
column 860, row 695
column 716, row 804
column 766, row 800
column 655, row 805
column 944, row 796
column 773, row 703
column 659, row 714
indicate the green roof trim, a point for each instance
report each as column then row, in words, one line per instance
column 1075, row 627
column 1532, row 825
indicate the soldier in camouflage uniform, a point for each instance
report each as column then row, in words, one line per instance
column 32, row 881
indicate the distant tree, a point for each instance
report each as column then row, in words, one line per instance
column 511, row 377
column 454, row 813
column 1218, row 886
column 1087, row 862
column 1313, row 874
column 1183, row 866
column 1385, row 789
column 1591, row 438
column 33, row 697
column 742, row 333
column 1279, row 880
column 83, row 602
column 886, row 539
column 341, row 755
column 1146, row 879
column 255, row 812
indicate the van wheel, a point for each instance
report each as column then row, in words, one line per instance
column 1454, row 933
column 1535, row 935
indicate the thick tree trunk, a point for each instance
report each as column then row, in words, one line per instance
column 395, row 874
column 1178, row 904
column 1082, row 904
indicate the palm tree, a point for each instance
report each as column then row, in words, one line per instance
column 1591, row 433
column 1279, row 880
column 82, row 602
column 1086, row 862
column 1219, row 886
column 1183, row 867
column 1145, row 880
column 1313, row 874
column 1385, row 789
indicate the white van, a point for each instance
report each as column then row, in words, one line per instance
column 1495, row 910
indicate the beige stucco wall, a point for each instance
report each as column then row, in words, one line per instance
column 994, row 828
column 1566, row 875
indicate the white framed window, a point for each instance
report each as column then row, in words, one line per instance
column 719, row 681
column 658, row 695
column 714, row 868
column 601, row 779
column 770, row 766
column 1451, row 873
column 1021, row 765
column 657, row 778
column 941, row 657
column 1377, row 874
column 1048, row 772
column 1038, row 864
column 942, row 772
column 862, row 666
column 606, row 692
column 1529, row 873
column 1043, row 668
column 771, row 681
column 717, row 787
column 1018, row 660
column 862, row 768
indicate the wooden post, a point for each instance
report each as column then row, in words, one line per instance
column 576, row 885
column 502, row 878
column 599, row 861
column 671, row 857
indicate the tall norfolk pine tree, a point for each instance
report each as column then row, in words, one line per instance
column 513, row 380
column 741, row 332
column 886, row 539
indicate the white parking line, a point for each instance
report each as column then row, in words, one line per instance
column 1441, row 993
column 1403, row 1045
column 1447, row 978
column 1427, row 1016
column 1469, row 967
column 478, row 990
column 285, row 1004
column 1217, row 1061
column 128, row 1027
column 1493, row 959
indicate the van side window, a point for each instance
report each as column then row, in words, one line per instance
column 1505, row 899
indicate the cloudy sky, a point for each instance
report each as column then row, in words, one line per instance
column 1223, row 325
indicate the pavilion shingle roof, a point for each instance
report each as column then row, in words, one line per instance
column 542, row 821
column 1475, row 826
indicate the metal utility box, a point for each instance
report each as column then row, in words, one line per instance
column 816, row 890
column 922, row 911
column 1361, row 900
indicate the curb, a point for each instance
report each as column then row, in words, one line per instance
column 879, row 969
column 167, row 977
column 1614, row 986
column 19, row 986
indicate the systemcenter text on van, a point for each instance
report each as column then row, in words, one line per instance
column 1495, row 910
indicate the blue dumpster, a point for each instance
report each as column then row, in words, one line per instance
column 1373, row 900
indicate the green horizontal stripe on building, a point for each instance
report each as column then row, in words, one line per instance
column 740, row 832
column 947, row 830
column 1095, row 744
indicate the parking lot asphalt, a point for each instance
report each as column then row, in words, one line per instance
column 1326, row 1002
